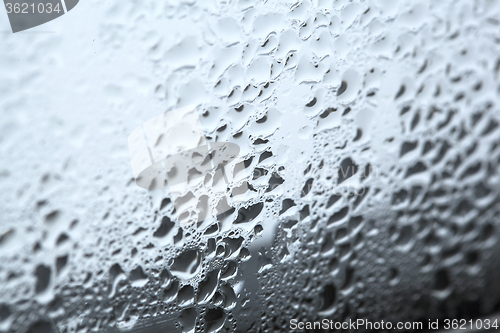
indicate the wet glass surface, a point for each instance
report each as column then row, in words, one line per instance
column 366, row 152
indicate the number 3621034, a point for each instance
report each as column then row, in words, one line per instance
column 24, row 8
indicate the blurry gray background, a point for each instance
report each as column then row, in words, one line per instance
column 314, row 93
